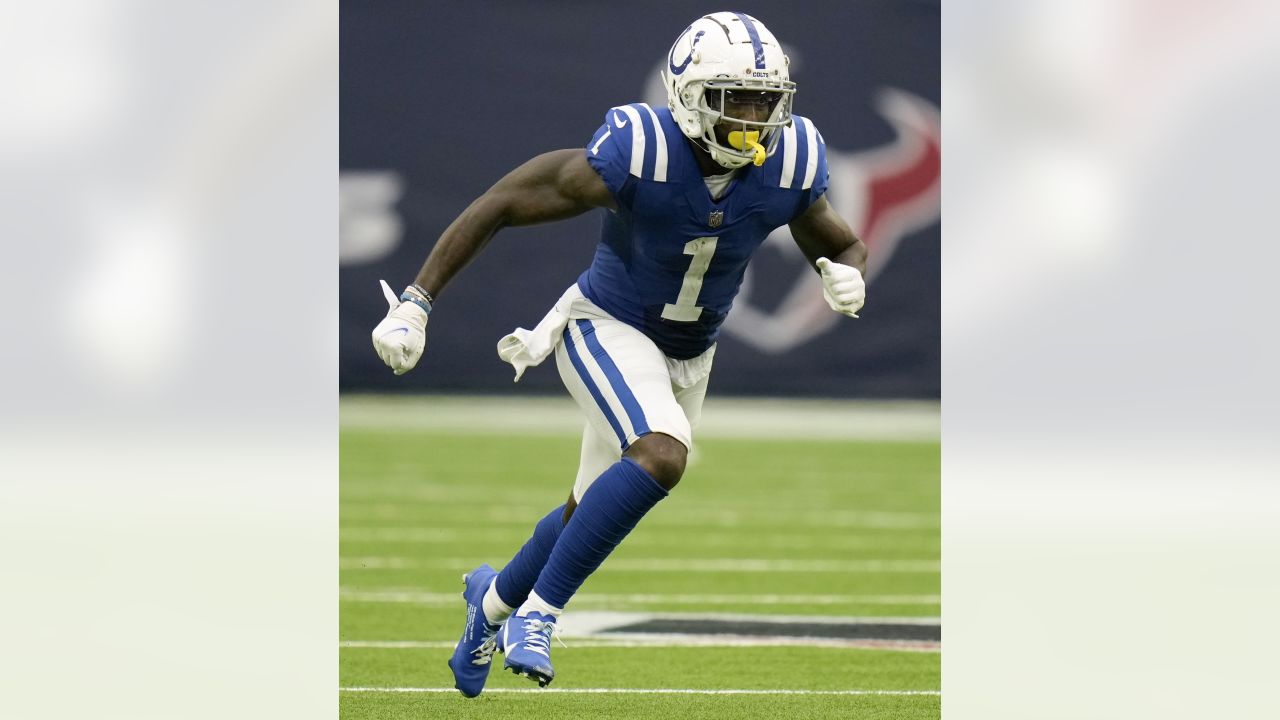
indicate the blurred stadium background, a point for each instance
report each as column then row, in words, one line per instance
column 834, row 421
column 438, row 102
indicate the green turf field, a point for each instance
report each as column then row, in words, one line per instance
column 830, row 528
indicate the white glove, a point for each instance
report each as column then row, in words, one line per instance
column 402, row 334
column 842, row 286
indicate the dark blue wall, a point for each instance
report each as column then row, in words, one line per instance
column 440, row 100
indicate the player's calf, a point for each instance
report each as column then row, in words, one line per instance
column 609, row 510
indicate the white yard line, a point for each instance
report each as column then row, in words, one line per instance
column 585, row 622
column 673, row 641
column 645, row 691
column 399, row 534
column 723, row 417
column 767, row 565
column 377, row 563
column 525, row 516
column 446, row 599
column 675, row 565
column 777, row 541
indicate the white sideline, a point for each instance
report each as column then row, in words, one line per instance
column 645, row 691
column 724, row 417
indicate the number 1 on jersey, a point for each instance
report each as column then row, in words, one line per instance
column 685, row 309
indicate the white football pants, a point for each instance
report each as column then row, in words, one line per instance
column 625, row 385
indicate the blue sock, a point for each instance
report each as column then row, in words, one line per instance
column 517, row 578
column 609, row 510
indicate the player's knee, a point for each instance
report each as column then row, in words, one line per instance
column 662, row 456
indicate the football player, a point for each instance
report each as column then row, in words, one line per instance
column 689, row 192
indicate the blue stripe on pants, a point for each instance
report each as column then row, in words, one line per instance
column 572, row 351
column 634, row 412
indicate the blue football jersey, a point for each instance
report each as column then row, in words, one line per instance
column 671, row 259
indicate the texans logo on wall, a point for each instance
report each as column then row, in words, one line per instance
column 885, row 193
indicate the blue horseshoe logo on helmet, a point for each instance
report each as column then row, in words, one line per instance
column 671, row 60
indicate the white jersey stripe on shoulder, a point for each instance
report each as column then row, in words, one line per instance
column 660, row 164
column 811, row 167
column 595, row 149
column 637, row 140
column 788, row 155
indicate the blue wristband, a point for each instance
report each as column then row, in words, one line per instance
column 422, row 302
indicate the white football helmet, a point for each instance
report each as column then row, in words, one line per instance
column 729, row 53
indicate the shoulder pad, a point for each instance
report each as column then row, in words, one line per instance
column 632, row 140
column 801, row 157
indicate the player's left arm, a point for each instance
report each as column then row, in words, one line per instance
column 820, row 232
column 836, row 253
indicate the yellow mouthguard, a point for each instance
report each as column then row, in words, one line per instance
column 749, row 141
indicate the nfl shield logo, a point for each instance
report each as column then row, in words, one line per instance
column 715, row 218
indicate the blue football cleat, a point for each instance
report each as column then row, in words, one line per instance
column 474, row 652
column 526, row 640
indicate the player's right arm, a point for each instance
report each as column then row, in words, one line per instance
column 552, row 186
